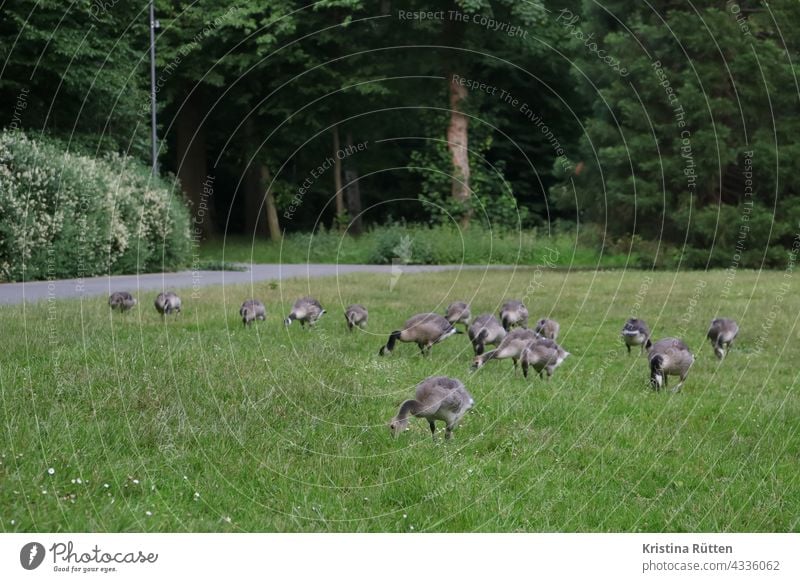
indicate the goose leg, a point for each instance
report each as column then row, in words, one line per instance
column 680, row 384
column 432, row 424
column 525, row 369
column 629, row 348
column 448, row 432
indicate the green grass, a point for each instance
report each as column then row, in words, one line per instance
column 433, row 245
column 212, row 427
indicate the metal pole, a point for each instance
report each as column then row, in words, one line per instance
column 153, row 137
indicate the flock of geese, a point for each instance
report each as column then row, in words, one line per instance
column 446, row 399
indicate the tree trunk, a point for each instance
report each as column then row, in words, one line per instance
column 261, row 215
column 190, row 149
column 353, row 191
column 254, row 223
column 337, row 178
column 254, row 218
column 273, row 225
column 457, row 143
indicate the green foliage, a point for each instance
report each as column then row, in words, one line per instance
column 562, row 246
column 668, row 148
column 68, row 215
column 77, row 71
column 492, row 200
column 270, row 79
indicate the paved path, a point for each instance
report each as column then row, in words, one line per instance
column 11, row 293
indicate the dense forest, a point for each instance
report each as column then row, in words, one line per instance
column 664, row 126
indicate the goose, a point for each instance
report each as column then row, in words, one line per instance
column 122, row 300
column 167, row 303
column 548, row 328
column 356, row 315
column 669, row 357
column 511, row 347
column 485, row 330
column 436, row 398
column 514, row 313
column 252, row 310
column 458, row 312
column 544, row 355
column 636, row 333
column 305, row 310
column 722, row 333
column 425, row 329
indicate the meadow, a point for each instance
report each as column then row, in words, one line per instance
column 124, row 422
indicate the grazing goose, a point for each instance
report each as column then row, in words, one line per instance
column 722, row 333
column 122, row 300
column 636, row 333
column 669, row 357
column 458, row 312
column 437, row 398
column 548, row 328
column 252, row 310
column 485, row 330
column 511, row 347
column 306, row 310
column 514, row 313
column 356, row 315
column 425, row 329
column 544, row 355
column 167, row 303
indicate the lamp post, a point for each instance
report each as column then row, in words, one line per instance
column 153, row 137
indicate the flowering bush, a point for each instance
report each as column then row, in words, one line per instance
column 67, row 215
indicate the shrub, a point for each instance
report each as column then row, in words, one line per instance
column 420, row 245
column 492, row 201
column 67, row 215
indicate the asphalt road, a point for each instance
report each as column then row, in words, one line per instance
column 13, row 293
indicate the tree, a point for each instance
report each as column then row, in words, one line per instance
column 68, row 71
column 667, row 145
column 212, row 59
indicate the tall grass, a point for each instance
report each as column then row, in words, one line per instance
column 416, row 244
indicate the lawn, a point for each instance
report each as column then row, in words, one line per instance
column 198, row 424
